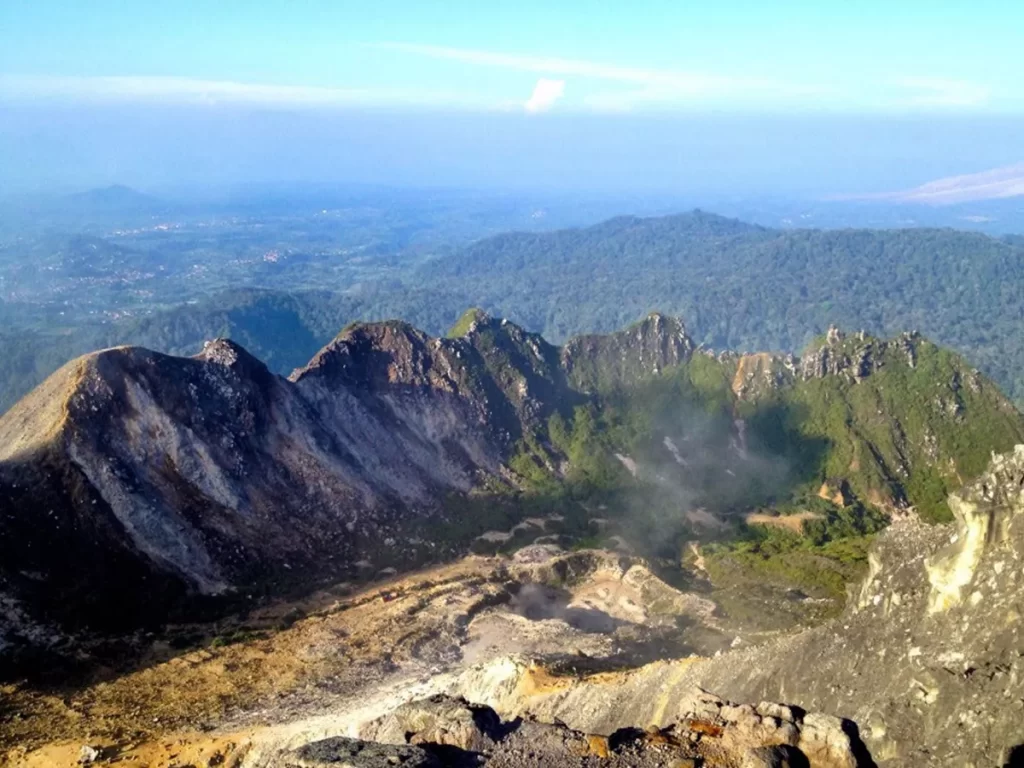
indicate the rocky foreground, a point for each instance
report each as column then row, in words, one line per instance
column 543, row 659
column 450, row 731
column 479, row 663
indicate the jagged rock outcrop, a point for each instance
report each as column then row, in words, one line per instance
column 850, row 357
column 622, row 359
column 441, row 720
column 131, row 479
column 929, row 657
column 857, row 356
column 989, row 518
column 760, row 374
column 354, row 753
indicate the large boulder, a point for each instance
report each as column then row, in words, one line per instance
column 439, row 720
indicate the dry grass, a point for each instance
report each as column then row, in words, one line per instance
column 794, row 523
column 38, row 417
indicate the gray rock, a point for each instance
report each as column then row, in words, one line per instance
column 341, row 752
column 438, row 720
column 774, row 757
column 89, row 755
column 825, row 742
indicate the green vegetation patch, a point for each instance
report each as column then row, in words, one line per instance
column 465, row 321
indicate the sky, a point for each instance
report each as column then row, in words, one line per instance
column 724, row 93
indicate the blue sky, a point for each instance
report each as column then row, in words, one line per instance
column 857, row 94
column 850, row 56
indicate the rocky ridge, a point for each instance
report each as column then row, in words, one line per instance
column 134, row 484
column 927, row 658
column 852, row 357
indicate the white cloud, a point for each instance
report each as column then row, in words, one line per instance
column 1007, row 181
column 944, row 92
column 183, row 90
column 667, row 84
column 171, row 88
column 645, row 87
column 617, row 89
column 545, row 94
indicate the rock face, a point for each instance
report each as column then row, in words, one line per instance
column 440, row 720
column 132, row 479
column 928, row 658
column 850, row 357
column 354, row 753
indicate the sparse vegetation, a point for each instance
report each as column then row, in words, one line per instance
column 237, row 636
column 463, row 324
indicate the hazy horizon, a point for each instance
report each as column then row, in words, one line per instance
column 46, row 148
column 740, row 100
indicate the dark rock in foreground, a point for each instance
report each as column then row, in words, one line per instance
column 455, row 733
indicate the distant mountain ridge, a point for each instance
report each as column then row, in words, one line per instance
column 600, row 244
column 113, row 195
column 748, row 287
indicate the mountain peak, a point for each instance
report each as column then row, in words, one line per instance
column 208, row 472
column 858, row 354
column 228, row 353
column 363, row 353
column 599, row 362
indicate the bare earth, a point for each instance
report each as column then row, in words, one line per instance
column 244, row 698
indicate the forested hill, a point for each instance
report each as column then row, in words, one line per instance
column 657, row 241
column 746, row 287
column 738, row 286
